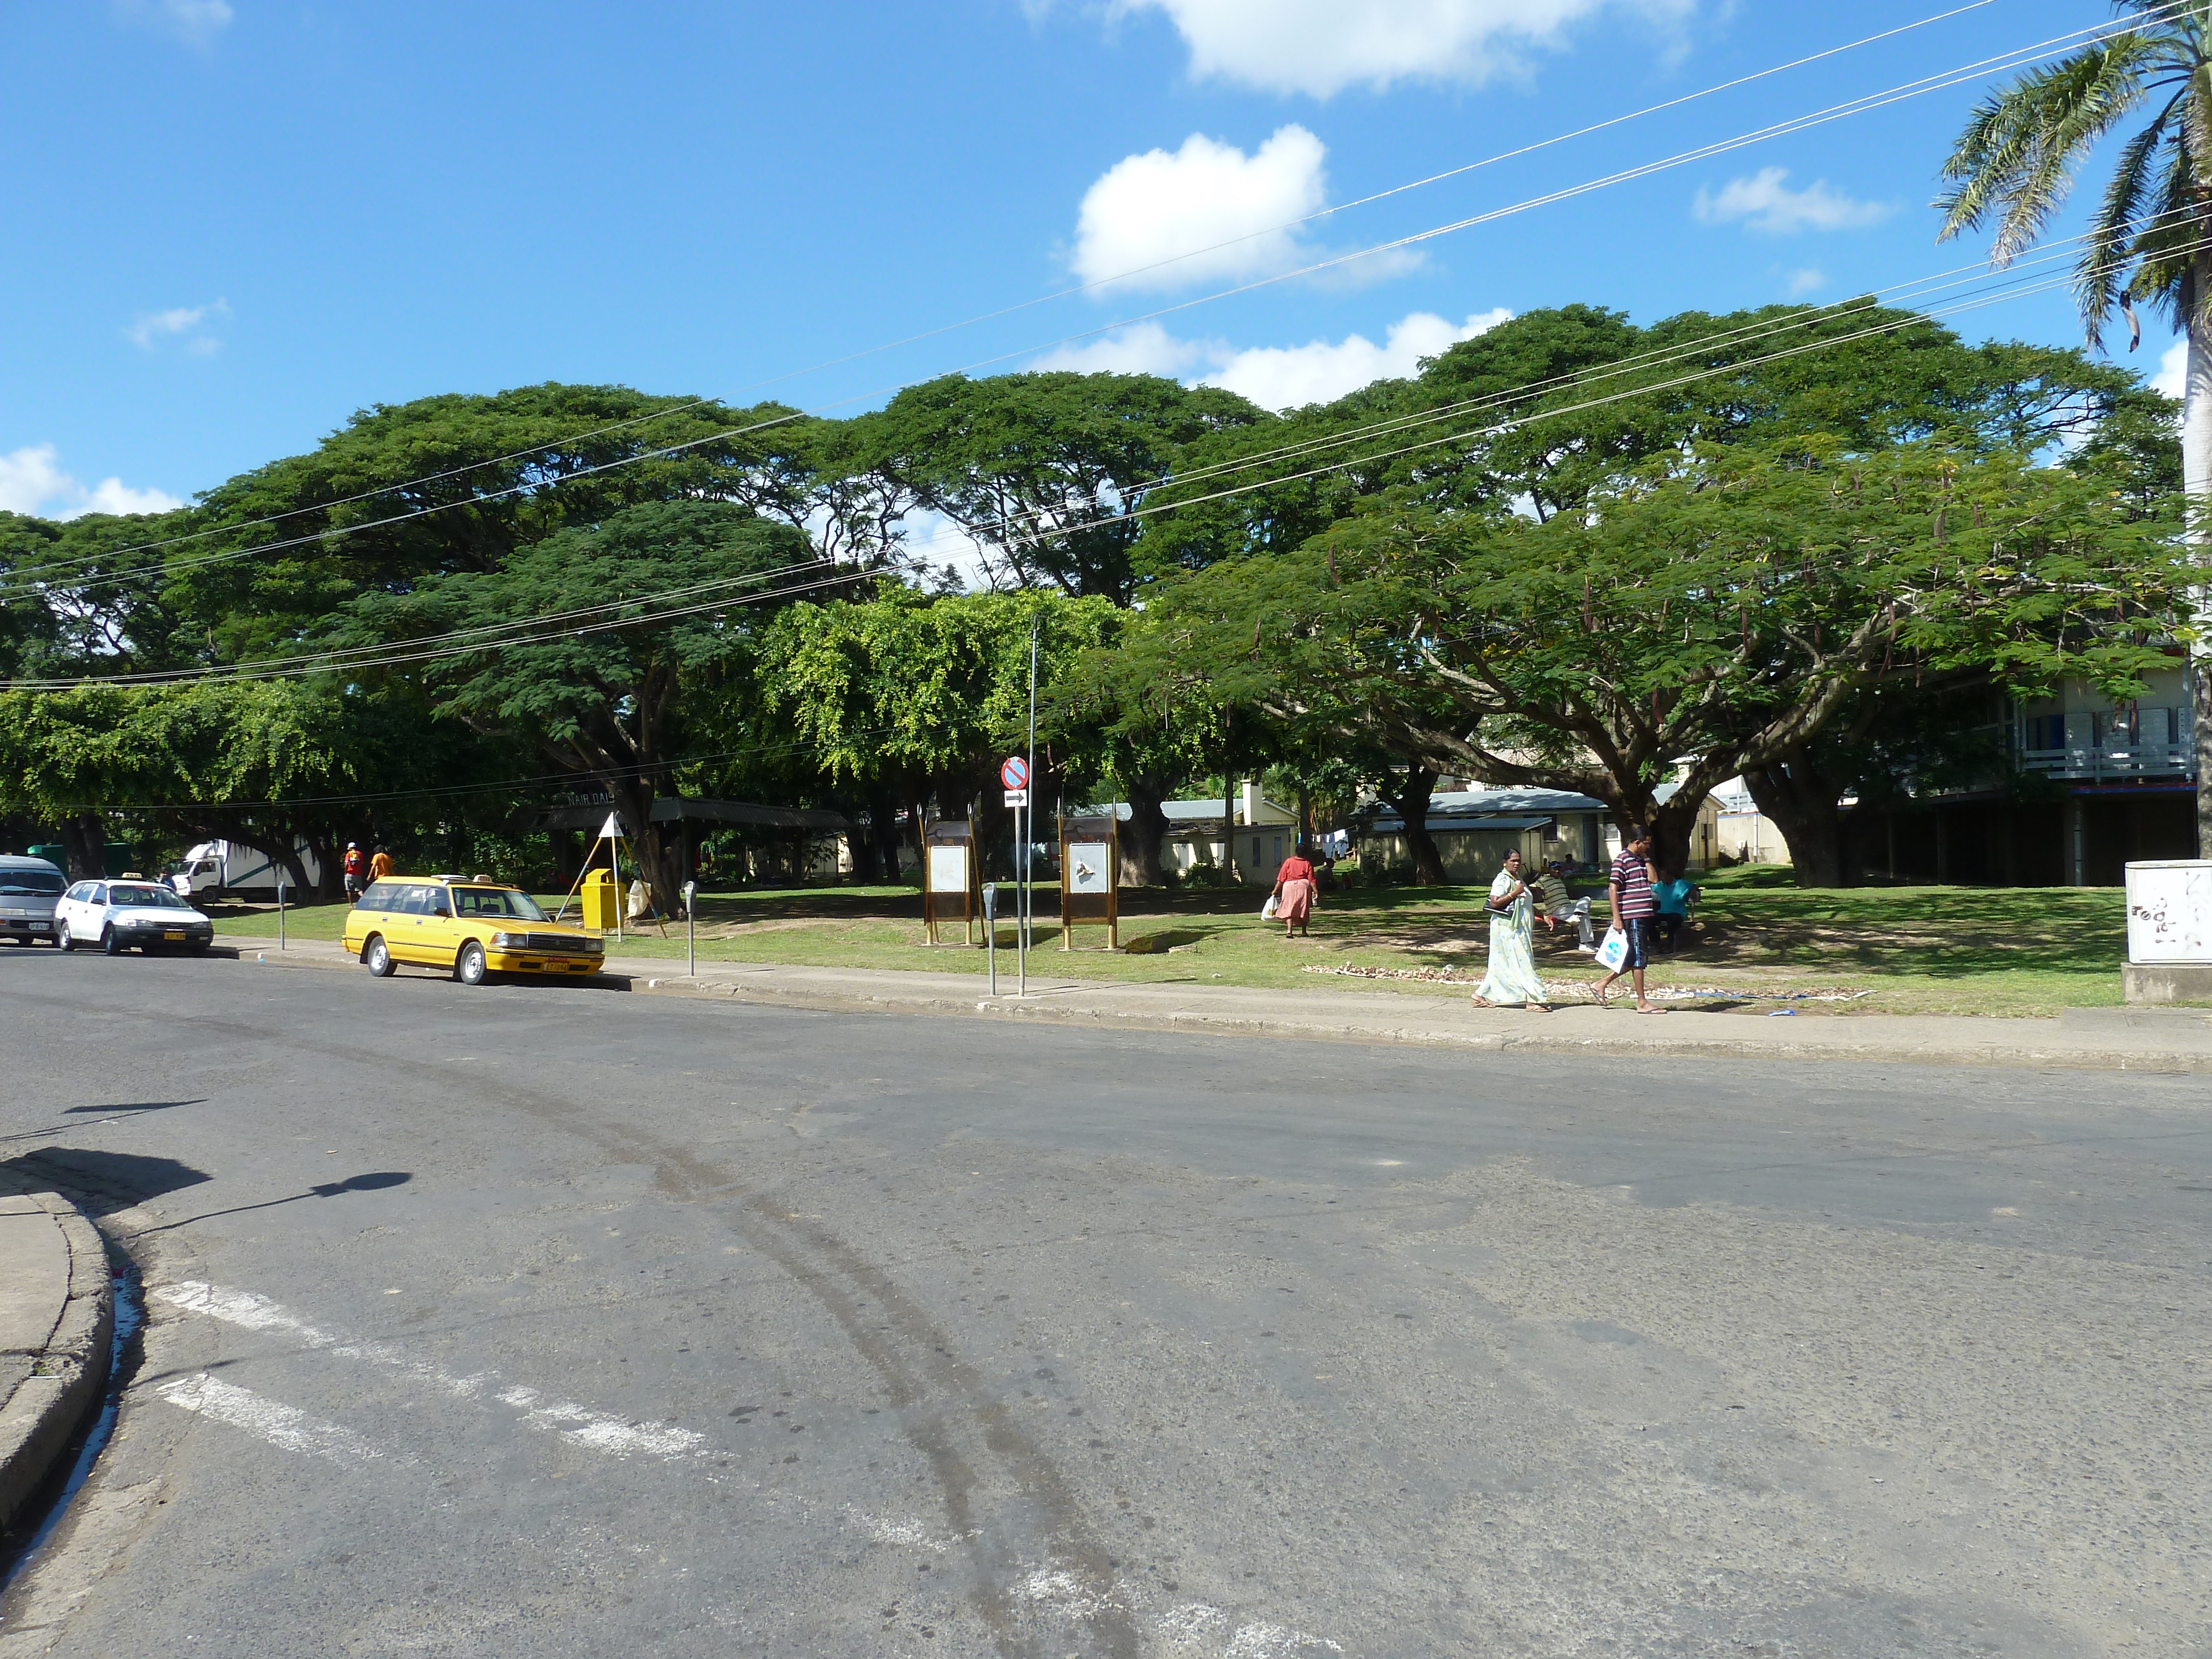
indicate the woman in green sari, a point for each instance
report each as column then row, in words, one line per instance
column 1512, row 974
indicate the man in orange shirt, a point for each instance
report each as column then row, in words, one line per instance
column 380, row 866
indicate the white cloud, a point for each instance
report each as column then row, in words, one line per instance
column 194, row 21
column 1289, row 377
column 1140, row 348
column 2172, row 376
column 934, row 541
column 1278, row 377
column 152, row 326
column 1156, row 207
column 31, row 481
column 1322, row 46
column 1810, row 280
column 1764, row 203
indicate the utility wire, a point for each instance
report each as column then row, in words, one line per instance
column 1861, row 106
column 2002, row 289
column 394, row 653
column 1809, row 317
column 1147, row 511
column 533, row 781
column 1079, row 288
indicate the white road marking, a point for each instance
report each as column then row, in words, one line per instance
column 1191, row 1631
column 903, row 1535
column 268, row 1420
column 599, row 1430
column 1060, row 1590
column 1266, row 1641
column 1195, row 1628
column 577, row 1425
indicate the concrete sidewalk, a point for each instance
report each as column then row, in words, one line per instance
column 2090, row 1039
column 57, row 1314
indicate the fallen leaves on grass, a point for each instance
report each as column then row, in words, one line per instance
column 1558, row 989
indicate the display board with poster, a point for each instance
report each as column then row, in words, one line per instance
column 2170, row 911
column 950, row 881
column 1091, row 876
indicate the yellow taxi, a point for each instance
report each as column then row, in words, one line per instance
column 469, row 928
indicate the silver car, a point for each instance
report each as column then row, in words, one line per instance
column 28, row 890
column 114, row 916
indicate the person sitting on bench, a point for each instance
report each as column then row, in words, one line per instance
column 1555, row 906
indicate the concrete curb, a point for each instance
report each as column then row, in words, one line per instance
column 1441, row 1022
column 69, row 1356
column 1997, row 1052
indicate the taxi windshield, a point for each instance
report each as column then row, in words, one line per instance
column 495, row 902
column 155, row 898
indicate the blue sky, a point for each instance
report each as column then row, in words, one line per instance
column 240, row 221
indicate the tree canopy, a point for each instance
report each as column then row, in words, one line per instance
column 1628, row 559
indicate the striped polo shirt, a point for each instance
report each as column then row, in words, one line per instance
column 1634, row 880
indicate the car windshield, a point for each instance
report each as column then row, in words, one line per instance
column 496, row 902
column 28, row 884
column 157, row 898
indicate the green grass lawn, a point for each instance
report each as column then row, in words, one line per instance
column 1911, row 949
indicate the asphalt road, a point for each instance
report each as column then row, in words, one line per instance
column 554, row 1321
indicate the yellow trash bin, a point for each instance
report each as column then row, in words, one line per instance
column 601, row 901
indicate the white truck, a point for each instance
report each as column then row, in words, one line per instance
column 226, row 867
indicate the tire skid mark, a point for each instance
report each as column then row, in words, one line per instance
column 919, row 1370
column 916, row 1365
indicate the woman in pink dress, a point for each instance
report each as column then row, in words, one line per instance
column 1294, row 891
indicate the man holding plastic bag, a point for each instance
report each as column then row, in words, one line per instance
column 1628, row 946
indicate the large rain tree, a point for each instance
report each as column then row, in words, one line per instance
column 638, row 617
column 2151, row 239
column 1706, row 616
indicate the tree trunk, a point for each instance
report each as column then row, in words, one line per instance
column 1671, row 823
column 2197, row 479
column 1228, row 830
column 328, row 860
column 883, row 837
column 280, row 849
column 84, row 841
column 1804, row 805
column 656, row 856
column 1142, row 837
column 1411, row 798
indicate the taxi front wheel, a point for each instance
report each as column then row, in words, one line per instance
column 376, row 956
column 469, row 966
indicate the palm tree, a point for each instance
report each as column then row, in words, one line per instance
column 2152, row 237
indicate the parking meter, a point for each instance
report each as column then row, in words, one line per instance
column 691, row 927
column 991, row 931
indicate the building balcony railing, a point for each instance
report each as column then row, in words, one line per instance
column 2113, row 760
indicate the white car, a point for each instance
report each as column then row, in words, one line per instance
column 114, row 916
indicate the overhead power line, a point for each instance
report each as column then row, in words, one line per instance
column 1501, row 427
column 2013, row 58
column 401, row 653
column 1807, row 317
column 1079, row 288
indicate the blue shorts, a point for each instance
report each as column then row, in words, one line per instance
column 1639, row 929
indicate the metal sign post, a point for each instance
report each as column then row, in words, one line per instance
column 283, row 943
column 691, row 927
column 1015, row 774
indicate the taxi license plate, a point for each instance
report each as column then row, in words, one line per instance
column 173, row 936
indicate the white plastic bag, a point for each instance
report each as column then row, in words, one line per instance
column 1267, row 911
column 1612, row 950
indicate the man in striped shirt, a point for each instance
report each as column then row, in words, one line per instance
column 1633, row 908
